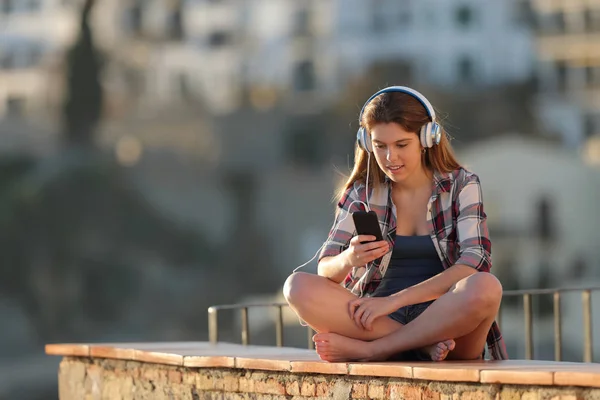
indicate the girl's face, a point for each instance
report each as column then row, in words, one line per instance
column 398, row 152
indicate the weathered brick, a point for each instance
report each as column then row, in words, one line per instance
column 190, row 378
column 323, row 389
column 233, row 396
column 510, row 394
column 269, row 386
column 429, row 394
column 135, row 372
column 404, row 392
column 531, row 396
column 268, row 397
column 246, row 385
column 150, row 374
column 292, row 388
column 231, row 383
column 376, row 391
column 308, row 388
column 340, row 389
column 174, row 376
column 476, row 395
column 205, row 382
column 359, row 390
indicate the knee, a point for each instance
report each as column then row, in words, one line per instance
column 483, row 290
column 295, row 287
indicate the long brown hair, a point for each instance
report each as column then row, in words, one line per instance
column 410, row 114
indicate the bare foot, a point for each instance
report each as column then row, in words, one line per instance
column 334, row 348
column 439, row 351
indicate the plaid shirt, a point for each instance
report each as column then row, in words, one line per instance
column 457, row 226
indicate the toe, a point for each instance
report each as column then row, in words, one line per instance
column 320, row 337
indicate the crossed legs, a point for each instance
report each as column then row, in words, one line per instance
column 463, row 315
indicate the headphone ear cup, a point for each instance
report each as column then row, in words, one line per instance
column 363, row 140
column 425, row 135
column 436, row 134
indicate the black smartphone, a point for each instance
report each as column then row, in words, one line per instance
column 366, row 223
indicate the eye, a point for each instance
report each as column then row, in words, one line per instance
column 379, row 146
column 401, row 145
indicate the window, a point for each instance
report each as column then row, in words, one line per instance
column 184, row 86
column 591, row 20
column 7, row 6
column 545, row 223
column 378, row 16
column 304, row 76
column 174, row 23
column 592, row 76
column 523, row 13
column 302, row 22
column 135, row 17
column 15, row 106
column 34, row 5
column 304, row 142
column 590, row 125
column 6, row 60
column 559, row 22
column 404, row 17
column 464, row 16
column 465, row 69
column 219, row 38
column 561, row 75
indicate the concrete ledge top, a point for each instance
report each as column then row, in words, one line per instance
column 227, row 355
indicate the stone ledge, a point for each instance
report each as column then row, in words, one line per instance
column 88, row 378
column 300, row 361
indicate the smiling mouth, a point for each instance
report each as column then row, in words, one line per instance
column 394, row 167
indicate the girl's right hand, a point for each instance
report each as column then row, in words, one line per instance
column 360, row 253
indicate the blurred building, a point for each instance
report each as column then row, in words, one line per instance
column 450, row 44
column 32, row 33
column 541, row 200
column 303, row 54
column 568, row 69
column 225, row 54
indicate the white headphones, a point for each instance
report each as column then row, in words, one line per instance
column 431, row 132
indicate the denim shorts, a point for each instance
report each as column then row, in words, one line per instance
column 407, row 313
column 404, row 315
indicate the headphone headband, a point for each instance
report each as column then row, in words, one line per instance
column 430, row 134
column 401, row 89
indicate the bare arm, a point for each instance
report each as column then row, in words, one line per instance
column 357, row 254
column 434, row 287
column 335, row 268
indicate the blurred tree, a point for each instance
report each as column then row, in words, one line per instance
column 82, row 252
column 83, row 105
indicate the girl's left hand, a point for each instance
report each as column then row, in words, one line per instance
column 365, row 310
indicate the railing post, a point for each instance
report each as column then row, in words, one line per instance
column 311, row 344
column 499, row 316
column 279, row 326
column 528, row 326
column 213, row 327
column 245, row 331
column 557, row 328
column 586, row 298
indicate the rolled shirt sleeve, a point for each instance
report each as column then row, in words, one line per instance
column 475, row 247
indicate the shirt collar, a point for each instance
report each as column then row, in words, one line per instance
column 442, row 182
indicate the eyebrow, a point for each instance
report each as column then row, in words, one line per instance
column 397, row 141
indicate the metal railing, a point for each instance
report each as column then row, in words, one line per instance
column 586, row 297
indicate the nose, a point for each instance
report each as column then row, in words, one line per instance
column 388, row 154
